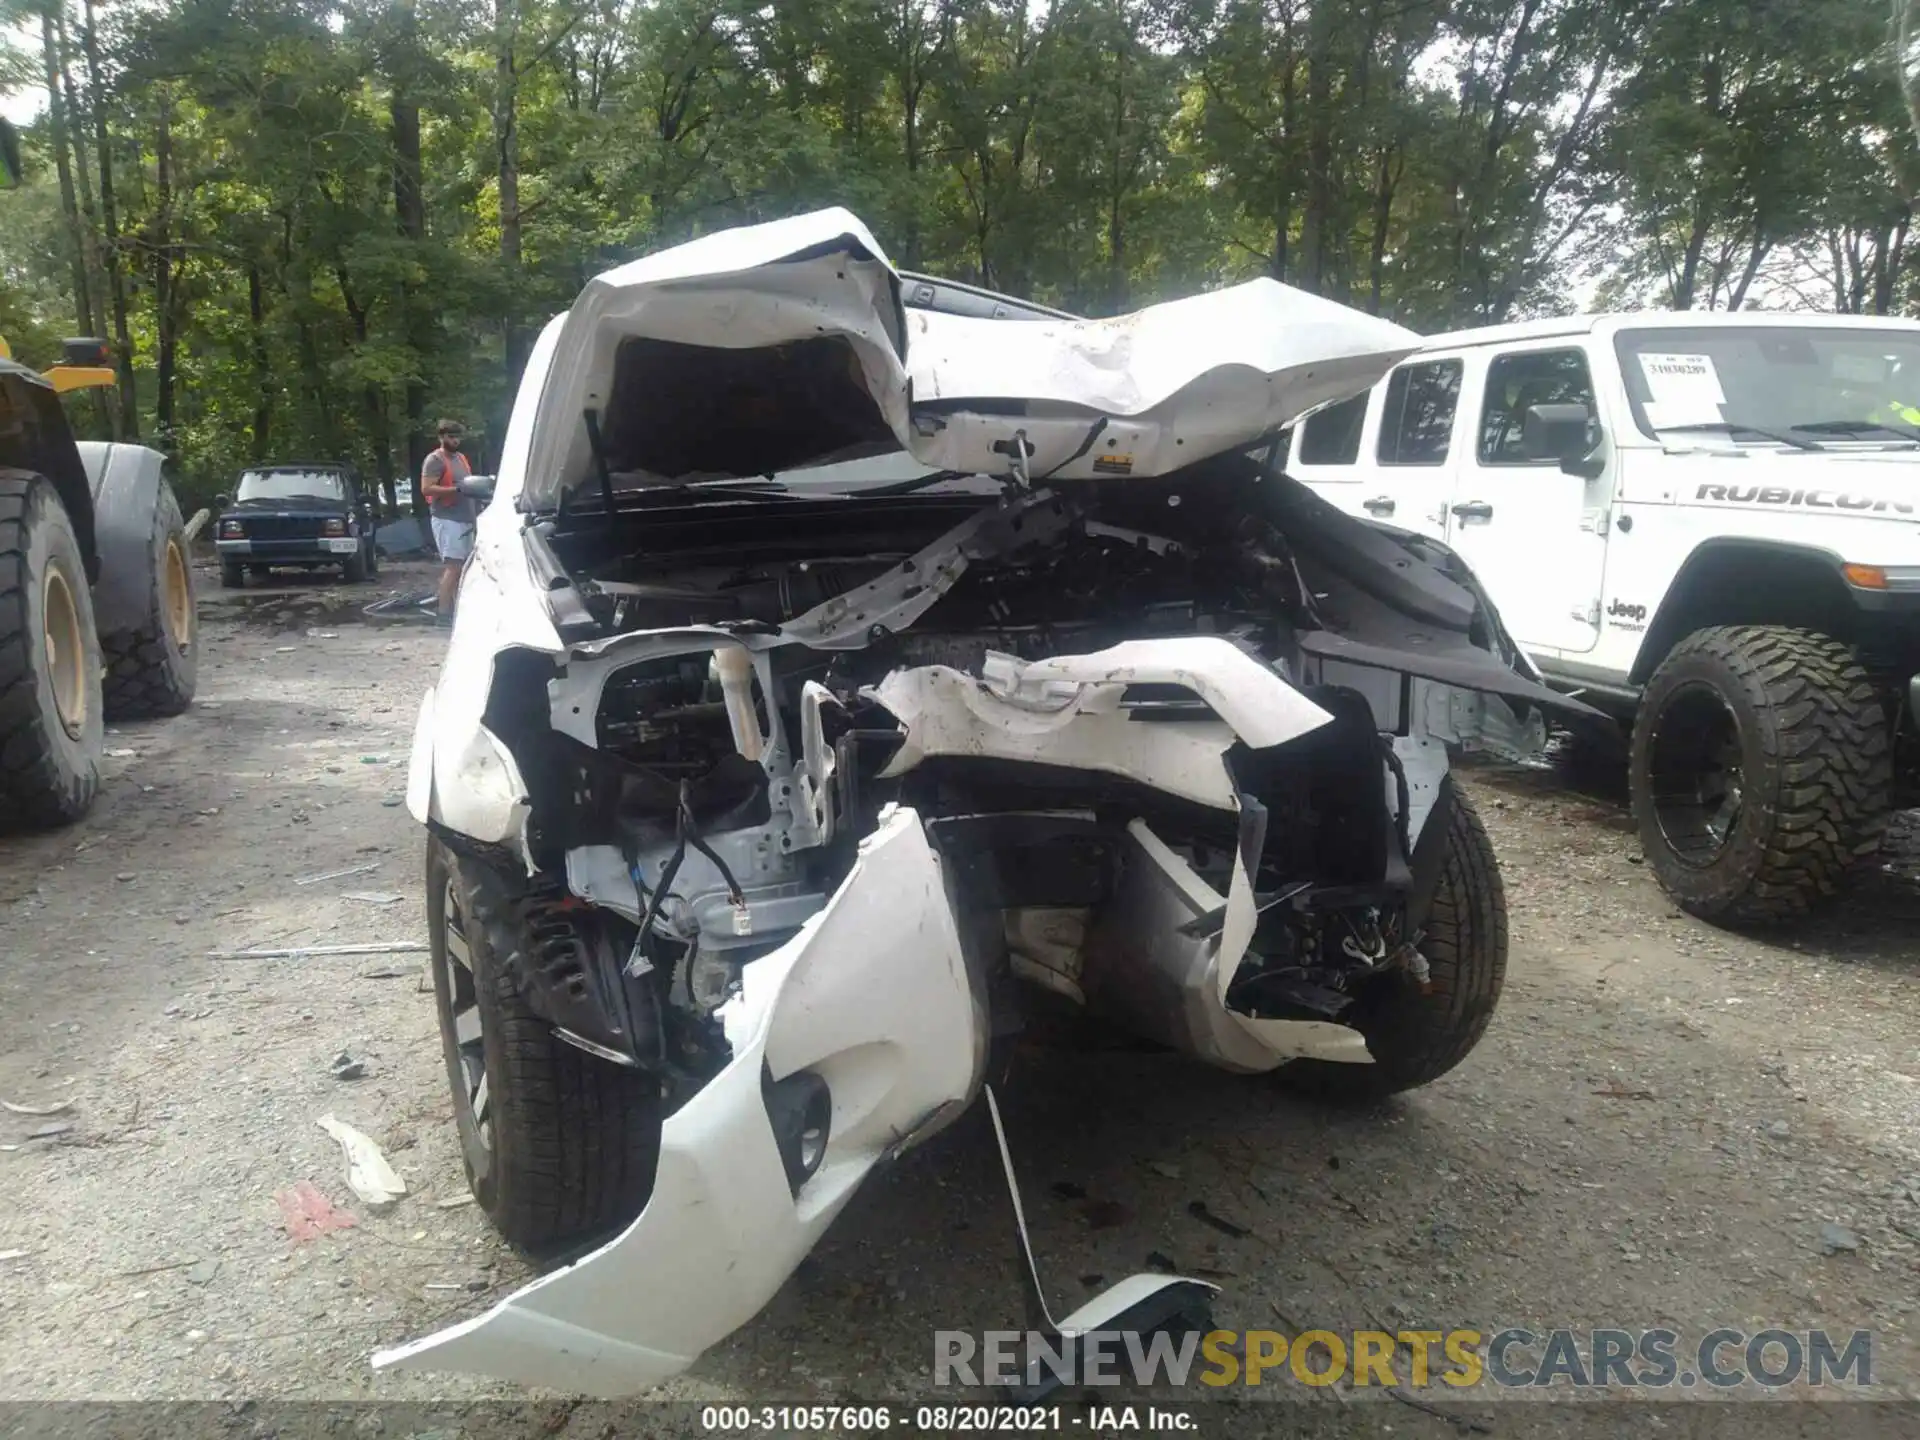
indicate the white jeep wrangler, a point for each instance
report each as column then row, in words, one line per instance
column 1703, row 523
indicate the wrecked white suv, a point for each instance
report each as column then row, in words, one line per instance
column 851, row 666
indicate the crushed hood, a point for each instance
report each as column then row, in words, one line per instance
column 825, row 362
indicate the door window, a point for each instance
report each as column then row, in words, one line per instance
column 1533, row 377
column 1416, row 422
column 1332, row 436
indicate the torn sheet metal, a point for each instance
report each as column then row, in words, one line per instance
column 1167, row 385
column 1145, row 970
column 1175, row 382
column 875, row 997
column 1067, row 711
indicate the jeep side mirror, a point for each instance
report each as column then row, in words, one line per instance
column 1559, row 432
column 475, row 487
column 222, row 501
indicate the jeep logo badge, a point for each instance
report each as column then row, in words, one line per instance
column 1620, row 610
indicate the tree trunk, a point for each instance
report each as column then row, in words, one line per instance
column 1116, row 225
column 1316, row 224
column 116, row 284
column 372, row 400
column 506, row 143
column 1382, row 217
column 63, row 165
column 262, row 367
column 78, row 227
column 411, row 217
column 165, row 312
column 1756, row 257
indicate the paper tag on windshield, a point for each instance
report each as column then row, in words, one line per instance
column 1682, row 389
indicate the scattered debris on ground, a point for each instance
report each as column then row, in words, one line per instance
column 369, row 1175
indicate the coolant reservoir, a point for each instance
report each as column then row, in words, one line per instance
column 734, row 666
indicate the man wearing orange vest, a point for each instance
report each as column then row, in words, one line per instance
column 453, row 513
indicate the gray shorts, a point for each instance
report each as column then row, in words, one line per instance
column 453, row 538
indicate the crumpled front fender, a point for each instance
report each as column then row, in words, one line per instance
column 875, row 997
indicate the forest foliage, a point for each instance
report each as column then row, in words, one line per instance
column 309, row 227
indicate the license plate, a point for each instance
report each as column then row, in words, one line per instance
column 343, row 547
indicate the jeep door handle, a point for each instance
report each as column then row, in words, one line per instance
column 1473, row 510
column 1379, row 505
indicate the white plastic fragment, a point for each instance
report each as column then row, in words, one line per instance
column 303, row 952
column 368, row 1173
column 371, row 865
column 56, row 1108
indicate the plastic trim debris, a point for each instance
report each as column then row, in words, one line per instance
column 302, row 952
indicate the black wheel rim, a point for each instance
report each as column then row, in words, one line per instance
column 471, row 1090
column 1696, row 777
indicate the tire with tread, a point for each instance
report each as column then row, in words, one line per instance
column 575, row 1138
column 354, row 568
column 48, row 775
column 149, row 673
column 1415, row 1037
column 1817, row 771
column 233, row 575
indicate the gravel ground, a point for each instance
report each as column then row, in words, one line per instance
column 1655, row 1131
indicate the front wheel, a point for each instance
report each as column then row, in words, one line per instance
column 1416, row 1035
column 233, row 575
column 559, row 1145
column 355, row 567
column 1761, row 772
column 51, row 731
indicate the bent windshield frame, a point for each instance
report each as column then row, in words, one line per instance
column 1758, row 378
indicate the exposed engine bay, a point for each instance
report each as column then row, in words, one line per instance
column 705, row 792
column 791, row 797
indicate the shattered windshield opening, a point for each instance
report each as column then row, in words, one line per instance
column 1766, row 382
column 681, row 414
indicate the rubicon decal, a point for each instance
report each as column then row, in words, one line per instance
column 1810, row 499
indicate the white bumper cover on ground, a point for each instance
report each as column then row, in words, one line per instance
column 873, row 996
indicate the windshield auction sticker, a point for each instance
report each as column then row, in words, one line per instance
column 1682, row 389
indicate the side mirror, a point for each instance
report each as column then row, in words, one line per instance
column 1559, row 432
column 475, row 487
column 223, row 501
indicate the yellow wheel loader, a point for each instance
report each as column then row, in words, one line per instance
column 97, row 612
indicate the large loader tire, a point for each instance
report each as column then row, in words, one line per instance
column 559, row 1145
column 1761, row 773
column 1416, row 1036
column 50, row 712
column 151, row 670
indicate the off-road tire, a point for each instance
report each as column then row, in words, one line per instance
column 48, row 773
column 355, row 568
column 149, row 672
column 1817, row 772
column 1417, row 1036
column 575, row 1139
column 233, row 575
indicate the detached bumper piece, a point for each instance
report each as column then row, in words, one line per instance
column 862, row 1035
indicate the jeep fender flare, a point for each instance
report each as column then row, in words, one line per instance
column 1713, row 587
